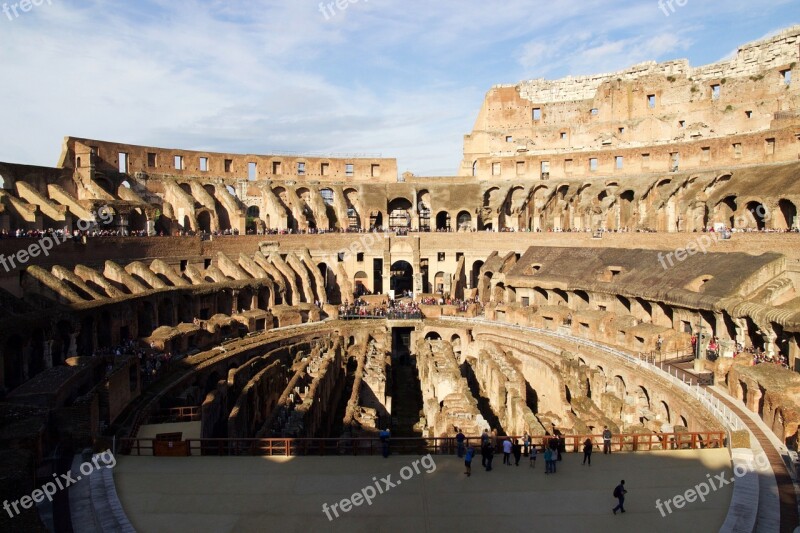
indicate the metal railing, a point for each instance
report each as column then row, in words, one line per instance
column 634, row 442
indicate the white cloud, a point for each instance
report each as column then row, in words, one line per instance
column 402, row 78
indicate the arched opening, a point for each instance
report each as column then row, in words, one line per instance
column 475, row 274
column 455, row 341
column 474, row 168
column 137, row 220
column 433, row 336
column 443, row 221
column 399, row 214
column 204, row 221
column 664, row 412
column 499, row 293
column 438, row 283
column 252, row 218
column 788, row 213
column 402, row 277
column 361, row 283
column 464, row 221
column 759, row 214
column 376, row 220
column 726, row 210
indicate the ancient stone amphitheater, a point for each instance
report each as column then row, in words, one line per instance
column 616, row 250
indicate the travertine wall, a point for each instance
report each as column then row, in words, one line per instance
column 542, row 129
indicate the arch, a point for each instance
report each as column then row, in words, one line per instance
column 204, row 221
column 619, row 387
column 499, row 292
column 399, row 213
column 443, row 221
column 582, row 296
column 137, row 220
column 402, row 277
column 432, row 336
column 475, row 274
column 643, row 397
column 360, row 283
column 684, row 422
column 663, row 412
column 759, row 213
column 455, row 342
column 788, row 213
column 464, row 221
column 726, row 209
column 475, row 168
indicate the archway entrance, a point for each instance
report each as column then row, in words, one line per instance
column 402, row 277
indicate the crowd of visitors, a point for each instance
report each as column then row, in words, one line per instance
column 151, row 362
column 394, row 309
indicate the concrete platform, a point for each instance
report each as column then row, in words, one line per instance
column 243, row 494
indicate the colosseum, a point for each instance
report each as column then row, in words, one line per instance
column 616, row 251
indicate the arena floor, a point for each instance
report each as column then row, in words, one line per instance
column 243, row 494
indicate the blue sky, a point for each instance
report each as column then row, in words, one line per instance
column 401, row 78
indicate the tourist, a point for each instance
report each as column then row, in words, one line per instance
column 606, row 440
column 526, row 442
column 460, row 442
column 507, row 452
column 619, row 494
column 468, row 460
column 548, row 460
column 484, row 451
column 587, row 451
column 532, row 459
column 489, row 455
column 384, row 436
column 516, row 449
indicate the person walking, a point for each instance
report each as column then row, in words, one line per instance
column 526, row 443
column 606, row 440
column 548, row 456
column 587, row 451
column 460, row 442
column 532, row 456
column 468, row 460
column 619, row 494
column 484, row 452
column 516, row 449
column 507, row 452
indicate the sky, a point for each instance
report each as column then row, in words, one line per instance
column 402, row 79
